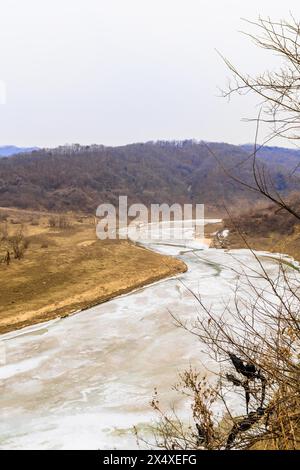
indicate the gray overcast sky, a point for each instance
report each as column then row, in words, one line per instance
column 120, row 71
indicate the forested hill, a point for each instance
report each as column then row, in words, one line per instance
column 81, row 177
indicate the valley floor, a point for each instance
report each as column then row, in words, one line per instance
column 65, row 270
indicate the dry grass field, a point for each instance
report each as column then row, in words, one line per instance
column 266, row 229
column 66, row 269
column 273, row 242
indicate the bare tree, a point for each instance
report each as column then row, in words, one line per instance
column 256, row 339
column 18, row 243
column 279, row 95
column 256, row 390
column 279, row 90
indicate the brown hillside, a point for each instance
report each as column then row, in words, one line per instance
column 80, row 178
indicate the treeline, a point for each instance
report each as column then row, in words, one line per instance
column 82, row 177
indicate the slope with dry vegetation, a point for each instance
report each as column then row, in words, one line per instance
column 65, row 268
column 81, row 178
column 266, row 228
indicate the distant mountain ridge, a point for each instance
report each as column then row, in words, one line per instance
column 9, row 150
column 287, row 157
column 79, row 178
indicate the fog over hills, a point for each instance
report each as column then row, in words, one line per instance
column 81, row 177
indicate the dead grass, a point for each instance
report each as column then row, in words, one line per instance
column 64, row 271
column 266, row 228
column 273, row 242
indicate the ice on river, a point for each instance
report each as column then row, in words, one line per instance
column 84, row 381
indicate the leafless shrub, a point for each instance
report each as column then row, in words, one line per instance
column 254, row 400
column 61, row 222
column 171, row 432
column 18, row 243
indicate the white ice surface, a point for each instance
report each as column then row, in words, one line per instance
column 84, row 381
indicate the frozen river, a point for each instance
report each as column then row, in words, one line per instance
column 82, row 382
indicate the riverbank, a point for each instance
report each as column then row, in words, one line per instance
column 66, row 269
column 258, row 234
